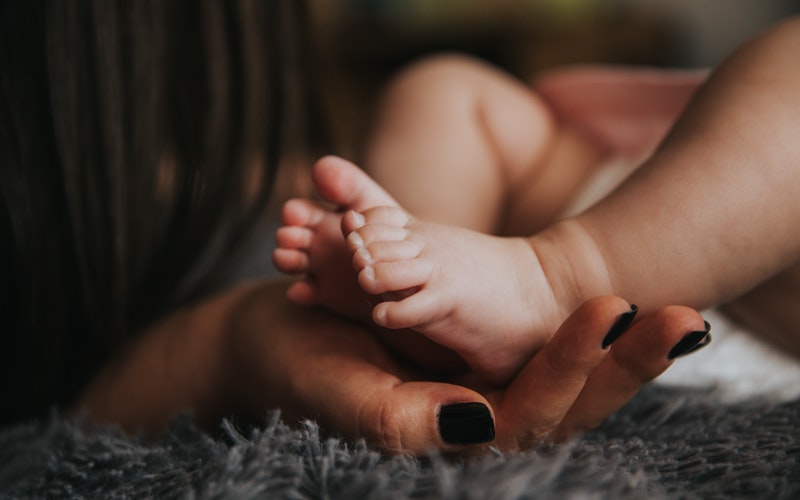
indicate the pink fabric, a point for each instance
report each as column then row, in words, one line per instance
column 628, row 109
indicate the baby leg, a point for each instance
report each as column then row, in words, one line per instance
column 456, row 140
column 460, row 142
column 714, row 211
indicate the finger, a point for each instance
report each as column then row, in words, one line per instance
column 418, row 417
column 639, row 356
column 538, row 399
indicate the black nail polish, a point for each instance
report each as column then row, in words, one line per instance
column 706, row 340
column 620, row 326
column 691, row 342
column 466, row 423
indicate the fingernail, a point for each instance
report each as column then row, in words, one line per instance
column 620, row 326
column 466, row 423
column 692, row 341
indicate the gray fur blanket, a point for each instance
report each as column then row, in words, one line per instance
column 665, row 443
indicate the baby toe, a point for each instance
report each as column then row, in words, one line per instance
column 290, row 261
column 303, row 293
column 394, row 276
column 417, row 309
column 386, row 215
column 301, row 212
column 387, row 251
column 372, row 234
column 294, row 237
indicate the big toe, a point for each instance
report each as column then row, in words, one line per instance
column 343, row 183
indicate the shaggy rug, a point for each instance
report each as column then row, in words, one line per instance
column 668, row 442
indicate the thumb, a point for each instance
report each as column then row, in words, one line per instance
column 314, row 365
column 416, row 417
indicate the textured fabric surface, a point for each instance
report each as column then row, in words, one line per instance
column 666, row 443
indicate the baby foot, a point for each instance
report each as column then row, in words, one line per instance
column 311, row 244
column 485, row 297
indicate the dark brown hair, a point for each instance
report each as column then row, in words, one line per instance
column 138, row 142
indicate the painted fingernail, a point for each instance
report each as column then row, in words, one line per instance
column 620, row 326
column 466, row 423
column 691, row 342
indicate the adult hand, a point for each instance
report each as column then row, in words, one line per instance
column 573, row 384
column 313, row 365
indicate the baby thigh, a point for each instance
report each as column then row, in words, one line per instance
column 455, row 137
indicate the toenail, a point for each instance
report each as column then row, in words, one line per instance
column 355, row 240
column 358, row 219
column 369, row 273
column 379, row 316
column 364, row 255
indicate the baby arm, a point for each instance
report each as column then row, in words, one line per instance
column 715, row 210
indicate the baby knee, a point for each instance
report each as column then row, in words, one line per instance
column 444, row 75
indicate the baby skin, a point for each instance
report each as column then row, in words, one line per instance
column 704, row 219
column 494, row 301
column 486, row 298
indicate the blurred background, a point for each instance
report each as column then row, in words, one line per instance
column 364, row 41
